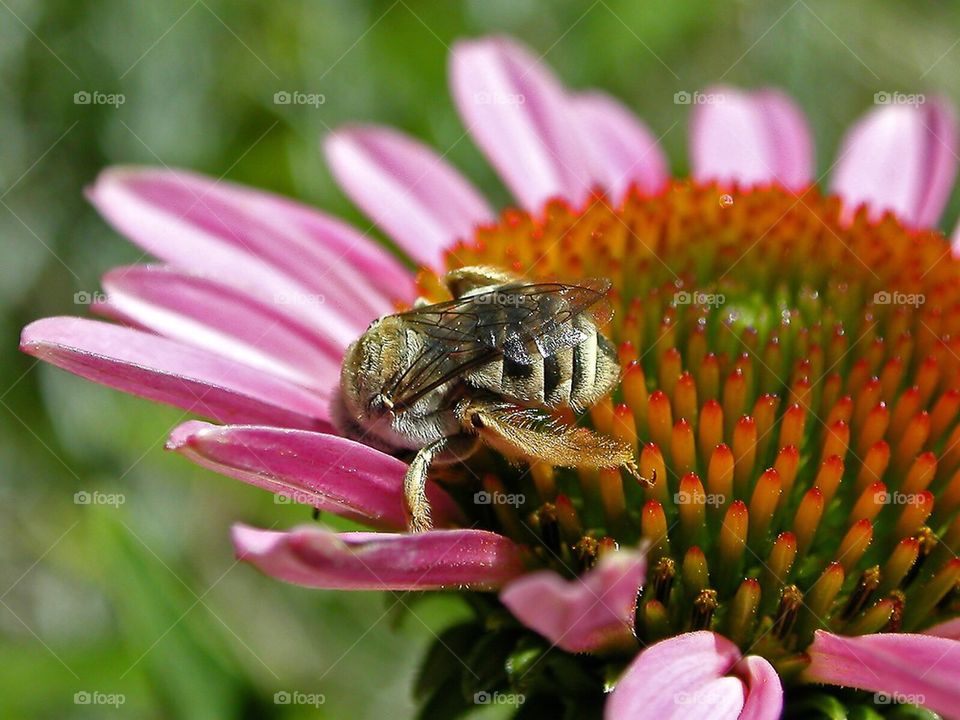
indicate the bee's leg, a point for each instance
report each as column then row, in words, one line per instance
column 529, row 434
column 444, row 450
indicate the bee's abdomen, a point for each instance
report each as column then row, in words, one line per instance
column 594, row 370
column 576, row 376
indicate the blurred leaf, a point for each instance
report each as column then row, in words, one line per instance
column 442, row 661
column 170, row 632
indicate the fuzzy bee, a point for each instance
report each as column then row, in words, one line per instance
column 486, row 367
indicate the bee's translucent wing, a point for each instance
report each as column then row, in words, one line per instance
column 521, row 321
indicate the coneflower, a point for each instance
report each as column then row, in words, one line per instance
column 791, row 375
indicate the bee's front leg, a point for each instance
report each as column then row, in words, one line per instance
column 415, row 483
column 446, row 449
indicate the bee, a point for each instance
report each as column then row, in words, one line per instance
column 489, row 367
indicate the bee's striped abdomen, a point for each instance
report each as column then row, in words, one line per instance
column 574, row 376
column 521, row 381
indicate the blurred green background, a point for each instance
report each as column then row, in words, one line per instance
column 144, row 599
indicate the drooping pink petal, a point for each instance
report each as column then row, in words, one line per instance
column 239, row 237
column 222, row 319
column 901, row 158
column 620, row 148
column 173, row 373
column 584, row 614
column 697, row 674
column 749, row 138
column 431, row 560
column 409, row 190
column 919, row 669
column 331, row 473
column 520, row 116
column 764, row 691
column 948, row 629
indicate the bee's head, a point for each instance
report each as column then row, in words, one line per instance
column 369, row 364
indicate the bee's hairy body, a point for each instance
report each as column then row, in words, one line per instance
column 498, row 400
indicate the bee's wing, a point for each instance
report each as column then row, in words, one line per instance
column 521, row 321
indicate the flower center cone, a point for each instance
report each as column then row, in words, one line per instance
column 791, row 375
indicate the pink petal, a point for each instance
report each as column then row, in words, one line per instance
column 170, row 372
column 436, row 559
column 519, row 115
column 584, row 614
column 331, row 473
column 901, row 158
column 353, row 254
column 749, row 138
column 409, row 190
column 222, row 319
column 948, row 629
column 689, row 676
column 920, row 669
column 240, row 237
column 621, row 149
column 764, row 691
